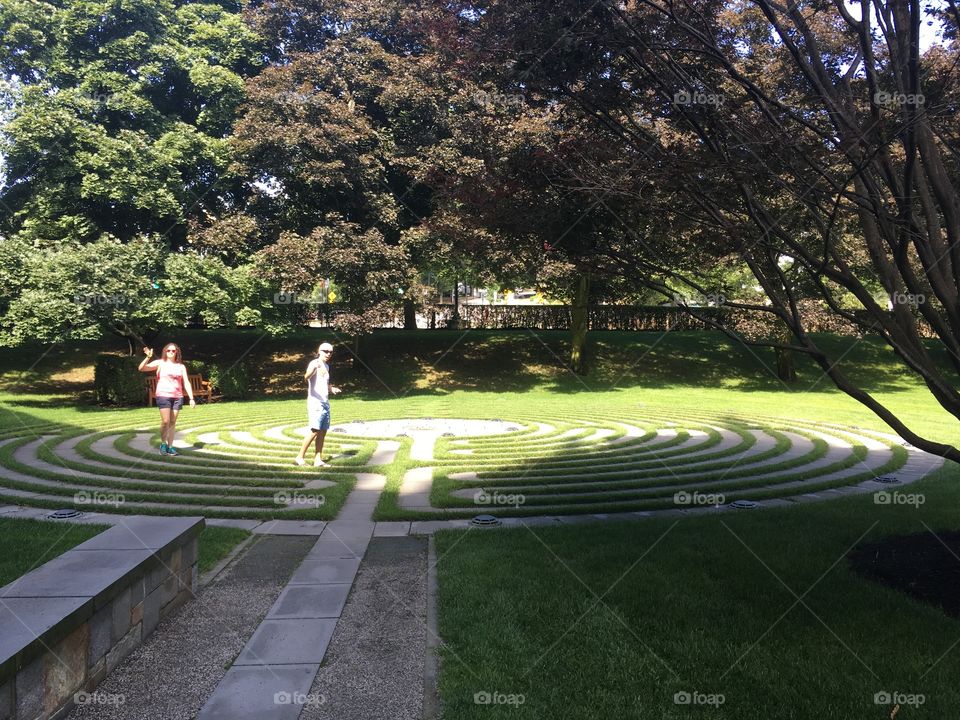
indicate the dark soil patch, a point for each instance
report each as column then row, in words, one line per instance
column 923, row 565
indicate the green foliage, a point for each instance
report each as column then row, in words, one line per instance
column 80, row 291
column 231, row 380
column 118, row 382
column 118, row 117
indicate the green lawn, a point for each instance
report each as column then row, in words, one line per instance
column 27, row 544
column 759, row 609
column 612, row 620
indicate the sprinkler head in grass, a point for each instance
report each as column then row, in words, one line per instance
column 485, row 521
column 64, row 514
column 743, row 504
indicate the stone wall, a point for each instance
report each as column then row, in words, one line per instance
column 70, row 622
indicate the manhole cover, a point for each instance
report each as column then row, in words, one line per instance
column 64, row 514
column 485, row 520
column 743, row 504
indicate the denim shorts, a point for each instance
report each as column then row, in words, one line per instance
column 171, row 403
column 319, row 416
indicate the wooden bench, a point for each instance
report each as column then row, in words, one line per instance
column 202, row 389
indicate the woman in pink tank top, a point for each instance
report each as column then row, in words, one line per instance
column 172, row 383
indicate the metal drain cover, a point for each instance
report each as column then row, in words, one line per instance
column 743, row 504
column 485, row 520
column 64, row 514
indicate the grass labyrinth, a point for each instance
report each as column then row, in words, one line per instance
column 548, row 455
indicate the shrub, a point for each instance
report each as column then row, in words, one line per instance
column 232, row 381
column 118, row 382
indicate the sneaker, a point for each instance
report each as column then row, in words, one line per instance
column 318, row 462
column 171, row 450
column 163, row 448
column 299, row 461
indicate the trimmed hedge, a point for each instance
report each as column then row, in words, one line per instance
column 118, row 382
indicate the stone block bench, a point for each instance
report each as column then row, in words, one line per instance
column 66, row 624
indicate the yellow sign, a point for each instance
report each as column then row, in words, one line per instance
column 331, row 296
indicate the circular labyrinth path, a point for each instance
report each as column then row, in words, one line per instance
column 455, row 468
column 609, row 463
column 231, row 469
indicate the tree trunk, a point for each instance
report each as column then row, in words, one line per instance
column 785, row 369
column 360, row 350
column 409, row 315
column 578, row 324
column 454, row 323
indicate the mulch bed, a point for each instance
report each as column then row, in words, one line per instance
column 923, row 565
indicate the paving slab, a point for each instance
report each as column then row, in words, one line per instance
column 24, row 620
column 288, row 642
column 330, row 547
column 310, row 601
column 313, row 571
column 290, row 527
column 391, row 529
column 141, row 533
column 260, row 693
column 77, row 574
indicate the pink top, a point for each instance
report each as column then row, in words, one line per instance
column 169, row 380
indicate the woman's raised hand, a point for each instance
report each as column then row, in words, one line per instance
column 148, row 352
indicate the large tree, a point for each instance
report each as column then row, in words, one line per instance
column 117, row 115
column 331, row 135
column 811, row 142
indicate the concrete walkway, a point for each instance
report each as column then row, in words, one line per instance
column 271, row 678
